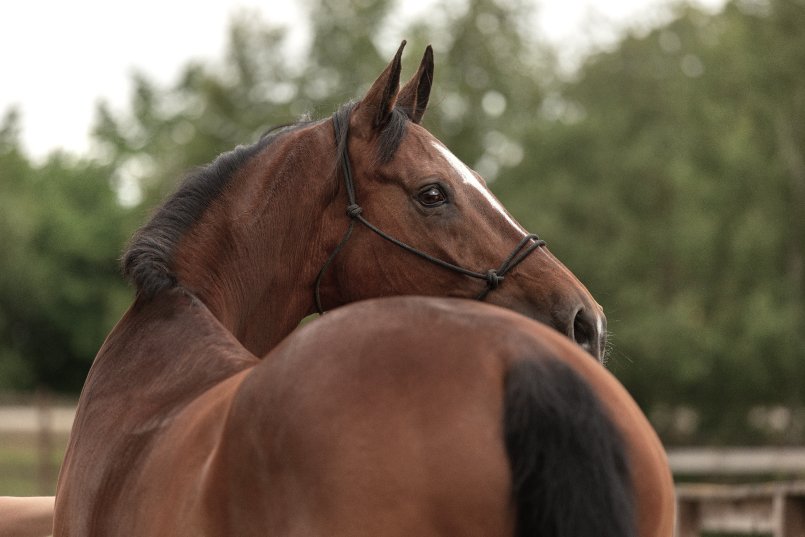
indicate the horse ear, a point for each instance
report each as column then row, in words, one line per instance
column 378, row 104
column 413, row 97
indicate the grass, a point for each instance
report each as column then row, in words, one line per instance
column 22, row 469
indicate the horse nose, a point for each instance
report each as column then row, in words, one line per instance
column 586, row 325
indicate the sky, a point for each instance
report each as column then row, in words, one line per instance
column 59, row 58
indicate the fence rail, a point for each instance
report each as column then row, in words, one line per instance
column 37, row 424
column 34, row 419
column 737, row 461
column 772, row 508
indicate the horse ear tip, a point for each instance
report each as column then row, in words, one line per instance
column 428, row 56
column 397, row 61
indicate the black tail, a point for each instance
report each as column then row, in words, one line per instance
column 569, row 467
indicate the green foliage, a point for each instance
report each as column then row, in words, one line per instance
column 668, row 174
column 27, row 468
column 672, row 183
column 490, row 77
column 60, row 292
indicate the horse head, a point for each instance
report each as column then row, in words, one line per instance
column 413, row 189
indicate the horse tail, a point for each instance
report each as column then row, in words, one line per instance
column 569, row 466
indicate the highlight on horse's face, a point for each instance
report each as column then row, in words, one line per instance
column 413, row 188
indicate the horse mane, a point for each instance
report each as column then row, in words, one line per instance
column 147, row 262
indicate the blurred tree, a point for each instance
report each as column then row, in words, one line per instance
column 60, row 291
column 214, row 108
column 208, row 112
column 491, row 74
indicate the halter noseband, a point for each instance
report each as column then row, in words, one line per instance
column 493, row 277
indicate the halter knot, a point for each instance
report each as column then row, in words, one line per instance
column 354, row 210
column 493, row 278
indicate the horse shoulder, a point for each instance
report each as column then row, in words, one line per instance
column 146, row 376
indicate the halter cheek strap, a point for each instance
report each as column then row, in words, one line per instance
column 492, row 277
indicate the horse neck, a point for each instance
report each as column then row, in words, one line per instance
column 254, row 255
column 164, row 353
column 187, row 351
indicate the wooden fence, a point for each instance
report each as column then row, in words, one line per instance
column 775, row 508
column 35, row 423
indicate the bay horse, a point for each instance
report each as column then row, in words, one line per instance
column 246, row 248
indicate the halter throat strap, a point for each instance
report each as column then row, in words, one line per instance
column 493, row 277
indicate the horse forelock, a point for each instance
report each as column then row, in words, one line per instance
column 148, row 260
column 391, row 135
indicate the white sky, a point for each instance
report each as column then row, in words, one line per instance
column 57, row 57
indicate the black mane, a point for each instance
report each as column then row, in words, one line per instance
column 391, row 135
column 147, row 262
column 148, row 258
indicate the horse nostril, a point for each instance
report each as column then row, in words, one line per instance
column 585, row 325
column 584, row 332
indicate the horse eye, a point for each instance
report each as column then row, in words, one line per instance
column 431, row 197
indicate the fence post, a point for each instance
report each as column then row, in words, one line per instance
column 687, row 519
column 44, row 410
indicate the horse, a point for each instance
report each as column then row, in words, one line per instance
column 254, row 242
